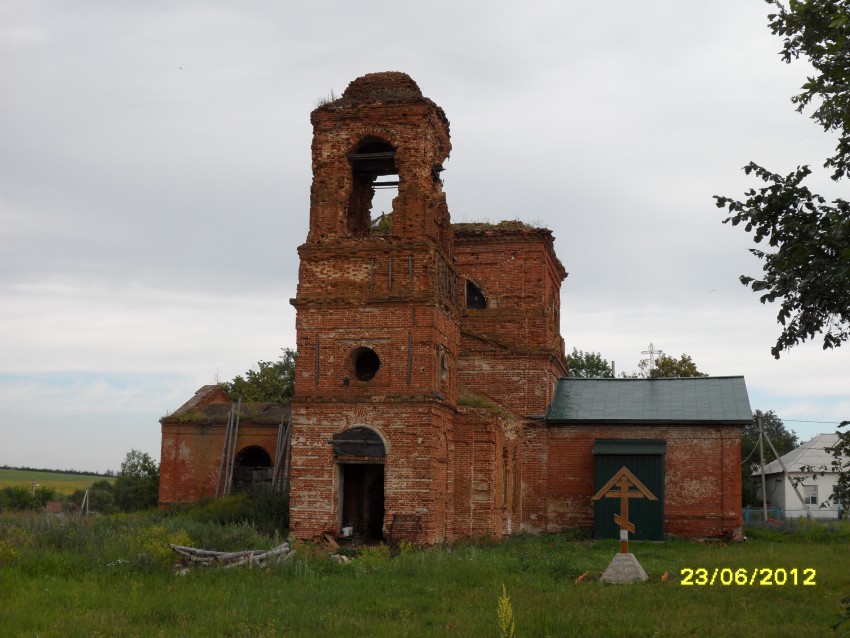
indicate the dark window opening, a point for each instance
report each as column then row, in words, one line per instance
column 253, row 470
column 375, row 185
column 366, row 363
column 443, row 362
column 475, row 299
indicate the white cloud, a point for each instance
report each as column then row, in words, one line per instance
column 156, row 175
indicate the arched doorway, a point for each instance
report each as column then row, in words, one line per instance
column 253, row 470
column 360, row 454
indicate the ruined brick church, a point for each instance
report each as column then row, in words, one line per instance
column 432, row 398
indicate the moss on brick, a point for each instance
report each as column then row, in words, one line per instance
column 508, row 225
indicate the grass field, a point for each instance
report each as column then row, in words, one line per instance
column 113, row 576
column 62, row 483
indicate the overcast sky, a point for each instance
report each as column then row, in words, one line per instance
column 155, row 167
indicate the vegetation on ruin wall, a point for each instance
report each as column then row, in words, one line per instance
column 505, row 225
column 113, row 576
column 469, row 399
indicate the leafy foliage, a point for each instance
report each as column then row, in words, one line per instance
column 588, row 365
column 101, row 497
column 841, row 462
column 667, row 366
column 783, row 440
column 271, row 381
column 137, row 484
column 820, row 31
column 18, row 497
column 809, row 270
column 266, row 511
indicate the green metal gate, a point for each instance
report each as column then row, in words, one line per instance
column 645, row 459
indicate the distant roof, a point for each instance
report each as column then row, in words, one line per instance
column 205, row 394
column 253, row 412
column 811, row 453
column 212, row 405
column 689, row 400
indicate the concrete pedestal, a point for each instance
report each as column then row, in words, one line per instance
column 625, row 568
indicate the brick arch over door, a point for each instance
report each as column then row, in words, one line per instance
column 360, row 441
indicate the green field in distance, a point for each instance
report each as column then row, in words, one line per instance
column 61, row 482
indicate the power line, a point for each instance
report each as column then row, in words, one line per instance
column 750, row 454
column 804, row 421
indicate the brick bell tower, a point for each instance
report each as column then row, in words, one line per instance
column 378, row 307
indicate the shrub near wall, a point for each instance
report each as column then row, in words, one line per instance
column 22, row 498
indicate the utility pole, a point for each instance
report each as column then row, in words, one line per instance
column 790, row 480
column 761, row 460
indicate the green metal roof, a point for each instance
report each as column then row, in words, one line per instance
column 690, row 400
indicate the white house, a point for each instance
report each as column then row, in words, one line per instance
column 814, row 490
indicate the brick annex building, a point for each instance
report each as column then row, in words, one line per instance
column 432, row 401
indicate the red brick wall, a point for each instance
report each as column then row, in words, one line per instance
column 390, row 107
column 512, row 351
column 486, row 463
column 191, row 456
column 394, row 292
column 535, row 464
column 702, row 477
column 416, row 480
column 408, row 338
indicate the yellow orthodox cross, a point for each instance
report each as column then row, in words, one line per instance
column 620, row 486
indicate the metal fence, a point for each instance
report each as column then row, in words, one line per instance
column 757, row 514
column 776, row 513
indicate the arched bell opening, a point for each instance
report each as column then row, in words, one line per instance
column 375, row 183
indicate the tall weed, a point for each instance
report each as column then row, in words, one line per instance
column 813, row 530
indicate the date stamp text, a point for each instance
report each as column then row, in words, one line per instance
column 749, row 577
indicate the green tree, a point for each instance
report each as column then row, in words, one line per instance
column 20, row 497
column 15, row 497
column 43, row 495
column 841, row 463
column 588, row 364
column 667, row 366
column 271, row 381
column 101, row 497
column 137, row 484
column 807, row 268
column 783, row 440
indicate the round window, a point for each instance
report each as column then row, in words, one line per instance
column 366, row 363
